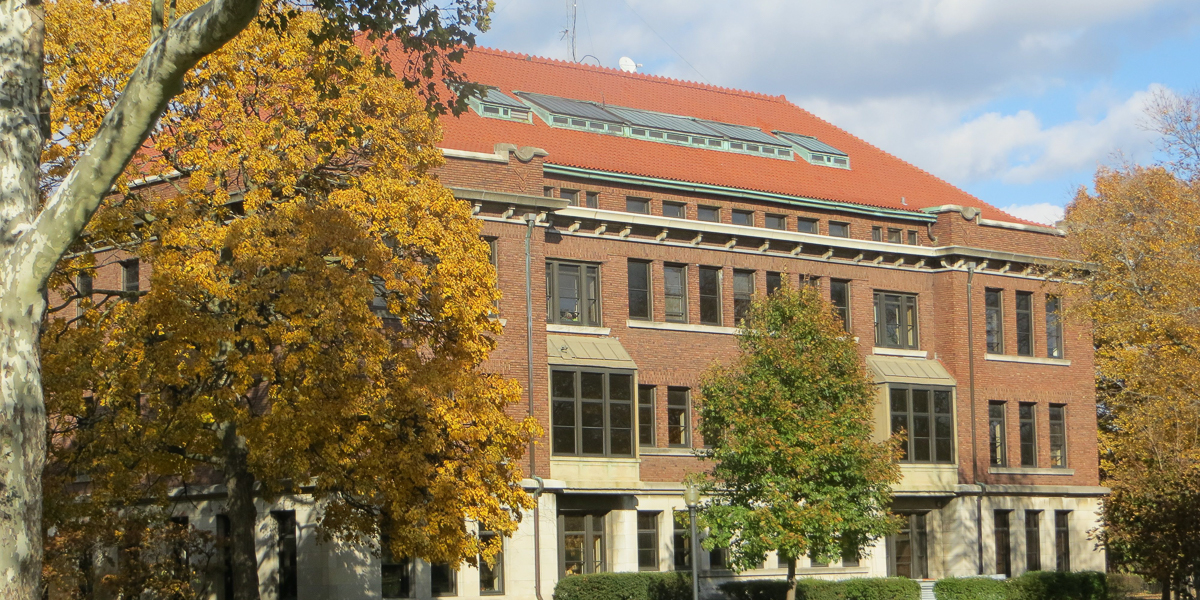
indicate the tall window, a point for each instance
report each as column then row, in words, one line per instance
column 572, row 293
column 491, row 574
column 678, row 420
column 637, row 205
column 837, row 229
column 1003, row 549
column 1033, row 540
column 776, row 222
column 925, row 416
column 683, row 545
column 839, row 296
column 895, row 320
column 131, row 276
column 996, row 450
column 993, row 321
column 647, row 523
column 912, row 238
column 646, row 415
column 1062, row 540
column 582, row 543
column 396, row 573
column 592, row 413
column 876, row 234
column 285, row 553
column 443, row 580
column 774, row 282
column 743, row 293
column 593, row 199
column 675, row 293
column 708, row 213
column 849, row 554
column 908, row 550
column 1054, row 341
column 743, row 217
column 83, row 283
column 710, row 295
column 1028, row 423
column 1025, row 323
column 1058, row 436
column 806, row 225
column 639, row 289
column 675, row 210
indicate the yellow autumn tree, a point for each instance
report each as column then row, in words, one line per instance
column 1138, row 236
column 318, row 307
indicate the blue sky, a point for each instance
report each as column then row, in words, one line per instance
column 1016, row 101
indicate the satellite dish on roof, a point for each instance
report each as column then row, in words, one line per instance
column 627, row 64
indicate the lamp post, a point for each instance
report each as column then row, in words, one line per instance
column 691, row 497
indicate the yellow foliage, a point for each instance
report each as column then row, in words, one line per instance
column 305, row 195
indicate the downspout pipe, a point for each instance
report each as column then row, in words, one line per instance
column 531, row 221
column 974, row 427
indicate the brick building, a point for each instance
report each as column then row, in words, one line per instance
column 640, row 214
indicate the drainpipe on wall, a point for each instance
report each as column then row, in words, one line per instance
column 531, row 220
column 974, row 437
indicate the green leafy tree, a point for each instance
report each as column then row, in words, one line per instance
column 796, row 467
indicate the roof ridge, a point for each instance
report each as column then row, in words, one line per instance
column 617, row 72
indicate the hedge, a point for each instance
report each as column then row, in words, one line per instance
column 1034, row 585
column 671, row 585
column 861, row 588
column 970, row 588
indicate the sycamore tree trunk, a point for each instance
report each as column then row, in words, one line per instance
column 243, row 515
column 791, row 579
column 33, row 236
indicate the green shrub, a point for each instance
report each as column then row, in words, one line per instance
column 879, row 588
column 755, row 589
column 882, row 588
column 1055, row 585
column 820, row 589
column 671, row 585
column 1124, row 585
column 970, row 588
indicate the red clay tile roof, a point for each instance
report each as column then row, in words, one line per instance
column 876, row 178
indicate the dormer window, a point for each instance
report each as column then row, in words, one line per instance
column 815, row 151
column 496, row 105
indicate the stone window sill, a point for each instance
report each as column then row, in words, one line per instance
column 636, row 324
column 1030, row 360
column 900, row 352
column 672, row 451
column 1028, row 471
column 577, row 329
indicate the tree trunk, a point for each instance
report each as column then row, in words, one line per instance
column 243, row 515
column 1166, row 588
column 791, row 579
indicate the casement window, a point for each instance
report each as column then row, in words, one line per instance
column 716, row 560
column 592, row 199
column 639, row 290
column 83, row 284
column 1058, row 436
column 743, row 217
column 572, row 293
column 1000, row 520
column 491, row 574
column 710, row 295
column 443, row 580
column 675, row 210
column 876, row 234
column 806, row 225
column 894, row 236
column 285, row 554
column 577, row 198
column 548, row 191
column 131, row 276
column 896, row 320
column 776, row 222
column 1028, row 427
column 679, row 416
column 1025, row 323
column 926, row 416
column 396, row 573
column 908, row 550
column 646, row 410
column 994, row 320
column 1054, row 333
column 494, row 259
column 675, row 293
column 226, row 556
column 1033, row 540
column 850, row 556
column 708, row 213
column 637, row 205
column 581, row 543
column 839, row 296
column 743, row 294
column 838, row 229
column 571, row 196
column 816, row 563
column 592, row 413
column 997, row 455
column 682, row 540
column 774, row 282
column 647, row 539
column 912, row 238
column 1062, row 540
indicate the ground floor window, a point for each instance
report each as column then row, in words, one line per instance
column 1003, row 547
column 443, row 580
column 1033, row 540
column 1062, row 539
column 581, row 543
column 647, row 523
column 396, row 573
column 491, row 574
column 908, row 550
column 683, row 544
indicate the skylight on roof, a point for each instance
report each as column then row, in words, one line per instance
column 653, row 126
column 815, row 151
column 494, row 104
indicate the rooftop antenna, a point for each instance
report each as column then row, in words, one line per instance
column 628, row 65
column 569, row 32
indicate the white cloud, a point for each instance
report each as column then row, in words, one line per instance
column 1042, row 212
